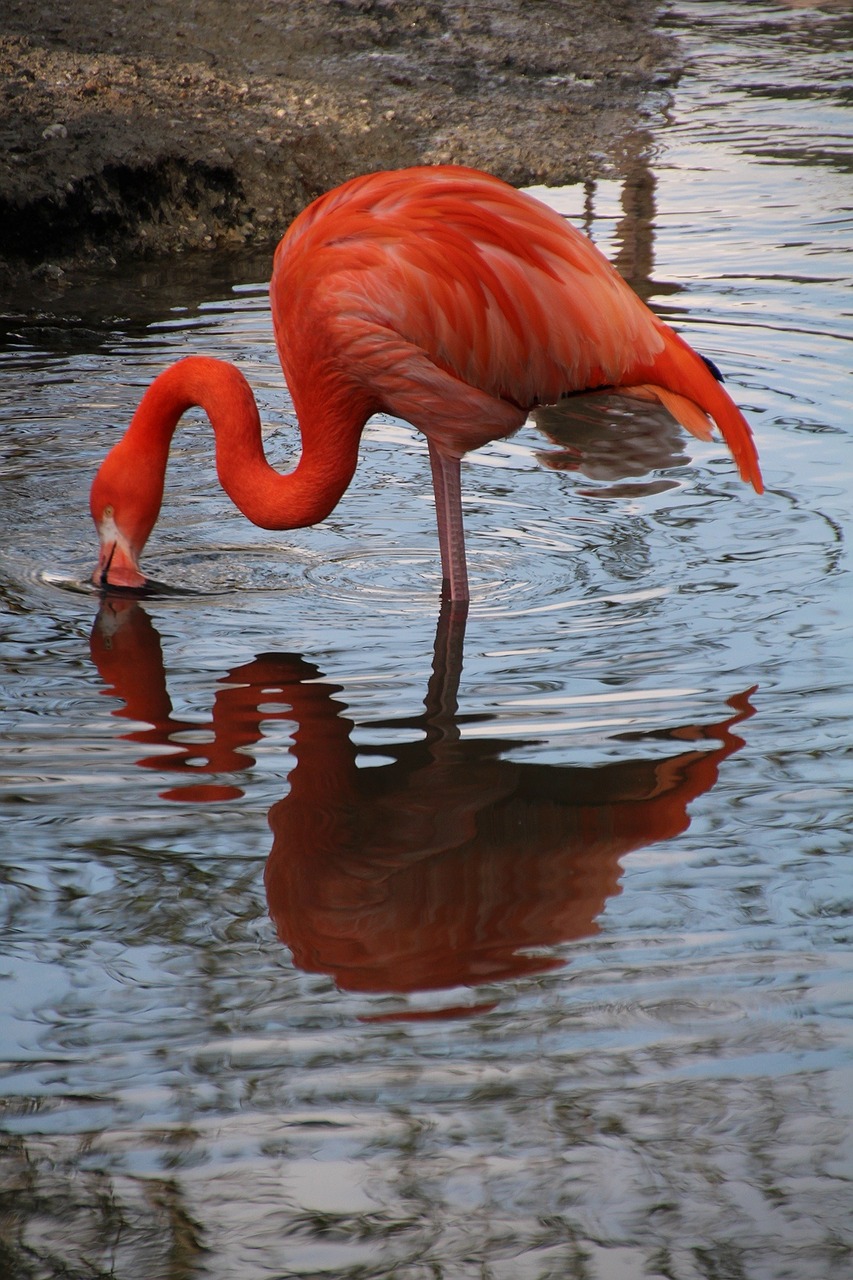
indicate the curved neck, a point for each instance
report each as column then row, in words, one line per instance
column 330, row 425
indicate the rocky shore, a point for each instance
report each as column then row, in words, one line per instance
column 133, row 128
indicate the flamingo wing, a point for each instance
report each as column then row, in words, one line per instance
column 459, row 303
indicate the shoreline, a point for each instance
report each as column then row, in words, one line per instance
column 133, row 131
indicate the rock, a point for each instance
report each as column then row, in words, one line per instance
column 171, row 141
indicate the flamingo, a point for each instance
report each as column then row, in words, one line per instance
column 440, row 295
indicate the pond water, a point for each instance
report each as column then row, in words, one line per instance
column 343, row 938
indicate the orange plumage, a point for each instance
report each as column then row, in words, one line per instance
column 442, row 296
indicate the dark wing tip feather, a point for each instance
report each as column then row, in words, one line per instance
column 714, row 368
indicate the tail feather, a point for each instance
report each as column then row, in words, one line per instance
column 683, row 382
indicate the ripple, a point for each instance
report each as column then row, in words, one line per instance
column 189, row 574
column 64, row 582
column 408, row 579
column 152, row 589
column 399, row 579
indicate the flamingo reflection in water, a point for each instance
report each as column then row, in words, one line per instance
column 451, row 865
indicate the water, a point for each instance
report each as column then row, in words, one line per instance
column 336, row 943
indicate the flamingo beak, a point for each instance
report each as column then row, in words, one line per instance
column 117, row 563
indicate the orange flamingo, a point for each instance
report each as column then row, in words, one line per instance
column 441, row 296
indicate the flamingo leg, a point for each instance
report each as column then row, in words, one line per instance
column 447, row 486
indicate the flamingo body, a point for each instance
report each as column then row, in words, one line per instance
column 439, row 295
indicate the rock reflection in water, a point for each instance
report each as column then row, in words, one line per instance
column 449, row 865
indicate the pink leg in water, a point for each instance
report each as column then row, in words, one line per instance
column 446, row 483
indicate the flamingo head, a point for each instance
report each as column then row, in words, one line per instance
column 123, row 523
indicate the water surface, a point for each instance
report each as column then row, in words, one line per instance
column 343, row 936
